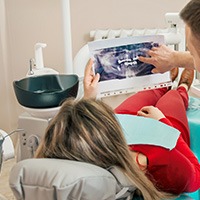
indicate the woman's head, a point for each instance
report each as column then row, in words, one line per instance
column 87, row 131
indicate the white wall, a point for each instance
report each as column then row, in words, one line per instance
column 115, row 14
column 31, row 21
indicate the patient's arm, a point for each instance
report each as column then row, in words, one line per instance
column 151, row 112
column 90, row 81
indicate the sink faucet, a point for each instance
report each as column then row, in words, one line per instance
column 32, row 64
column 36, row 64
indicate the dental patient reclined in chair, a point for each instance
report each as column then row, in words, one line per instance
column 146, row 137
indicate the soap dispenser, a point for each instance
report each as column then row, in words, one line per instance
column 37, row 64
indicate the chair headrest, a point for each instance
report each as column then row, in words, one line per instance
column 64, row 179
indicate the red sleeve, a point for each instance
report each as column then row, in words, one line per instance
column 166, row 121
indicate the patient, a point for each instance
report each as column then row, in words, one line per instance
column 87, row 131
column 174, row 171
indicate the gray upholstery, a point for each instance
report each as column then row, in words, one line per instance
column 55, row 179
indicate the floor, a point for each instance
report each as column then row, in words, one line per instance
column 5, row 191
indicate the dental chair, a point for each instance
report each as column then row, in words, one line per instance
column 56, row 179
column 193, row 114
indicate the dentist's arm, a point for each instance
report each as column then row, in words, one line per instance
column 164, row 59
column 90, row 81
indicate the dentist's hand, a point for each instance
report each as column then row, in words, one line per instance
column 161, row 57
column 151, row 112
column 90, row 81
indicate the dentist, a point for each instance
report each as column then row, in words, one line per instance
column 164, row 58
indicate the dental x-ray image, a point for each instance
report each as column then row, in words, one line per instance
column 116, row 60
column 122, row 61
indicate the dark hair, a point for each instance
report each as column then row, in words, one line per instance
column 191, row 16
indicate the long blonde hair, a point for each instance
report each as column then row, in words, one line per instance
column 87, row 131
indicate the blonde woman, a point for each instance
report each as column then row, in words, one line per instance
column 87, row 131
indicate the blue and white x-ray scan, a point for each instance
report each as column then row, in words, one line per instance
column 116, row 60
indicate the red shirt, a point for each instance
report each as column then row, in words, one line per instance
column 175, row 171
